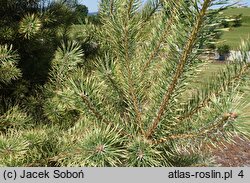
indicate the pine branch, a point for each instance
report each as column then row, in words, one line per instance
column 180, row 68
column 92, row 108
column 111, row 7
column 106, row 68
column 201, row 132
column 166, row 31
column 206, row 100
column 99, row 116
column 8, row 62
column 127, row 67
column 125, row 119
column 115, row 66
column 130, row 4
column 149, row 9
column 116, row 87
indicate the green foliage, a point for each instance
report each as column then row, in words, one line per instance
column 13, row 149
column 59, row 14
column 34, row 147
column 95, row 19
column 10, row 116
column 142, row 153
column 225, row 24
column 43, row 146
column 35, row 29
column 132, row 109
column 81, row 12
column 87, row 36
column 99, row 147
column 14, row 118
column 223, row 49
column 8, row 61
column 66, row 58
column 30, row 25
column 211, row 46
column 237, row 20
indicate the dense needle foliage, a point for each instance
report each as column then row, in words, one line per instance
column 127, row 105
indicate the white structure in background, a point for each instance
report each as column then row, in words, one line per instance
column 237, row 55
column 233, row 55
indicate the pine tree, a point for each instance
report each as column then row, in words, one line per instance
column 134, row 107
column 30, row 29
column 11, row 116
column 133, row 110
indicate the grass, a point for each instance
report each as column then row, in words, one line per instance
column 236, row 11
column 234, row 35
column 211, row 69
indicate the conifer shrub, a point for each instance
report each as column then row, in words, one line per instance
column 224, row 51
column 132, row 109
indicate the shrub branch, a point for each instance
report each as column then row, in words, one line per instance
column 180, row 68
